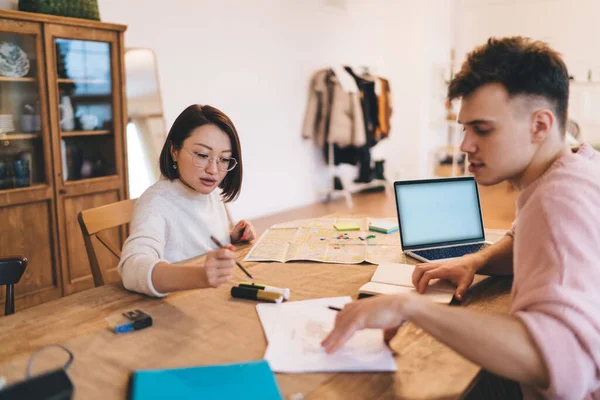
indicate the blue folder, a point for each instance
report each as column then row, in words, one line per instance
column 250, row 380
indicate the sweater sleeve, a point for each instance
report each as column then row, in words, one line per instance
column 143, row 249
column 557, row 299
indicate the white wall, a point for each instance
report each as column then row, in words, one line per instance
column 569, row 26
column 418, row 38
column 253, row 60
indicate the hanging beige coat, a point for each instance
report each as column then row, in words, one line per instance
column 334, row 113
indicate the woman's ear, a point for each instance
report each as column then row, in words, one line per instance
column 174, row 152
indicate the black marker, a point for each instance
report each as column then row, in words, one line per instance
column 255, row 294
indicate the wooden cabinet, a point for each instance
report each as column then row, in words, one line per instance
column 62, row 145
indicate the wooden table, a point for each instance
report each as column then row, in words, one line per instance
column 207, row 326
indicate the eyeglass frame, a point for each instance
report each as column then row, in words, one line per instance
column 209, row 160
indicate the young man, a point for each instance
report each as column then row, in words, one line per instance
column 514, row 95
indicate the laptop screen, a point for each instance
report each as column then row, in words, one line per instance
column 438, row 212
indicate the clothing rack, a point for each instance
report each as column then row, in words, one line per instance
column 347, row 187
column 346, row 115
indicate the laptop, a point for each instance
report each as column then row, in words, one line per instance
column 439, row 219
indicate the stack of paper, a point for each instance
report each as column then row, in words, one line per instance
column 383, row 225
column 295, row 330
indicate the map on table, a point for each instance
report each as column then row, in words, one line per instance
column 317, row 240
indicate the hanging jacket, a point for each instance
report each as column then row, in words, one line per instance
column 368, row 100
column 333, row 112
column 384, row 98
column 318, row 107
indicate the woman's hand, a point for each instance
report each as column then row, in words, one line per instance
column 243, row 232
column 218, row 267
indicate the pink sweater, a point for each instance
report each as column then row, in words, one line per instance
column 556, row 289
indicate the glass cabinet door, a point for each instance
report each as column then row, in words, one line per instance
column 21, row 139
column 27, row 190
column 85, row 102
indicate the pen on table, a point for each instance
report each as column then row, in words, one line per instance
column 334, row 308
column 214, row 239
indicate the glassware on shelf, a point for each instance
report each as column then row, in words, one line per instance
column 85, row 75
column 30, row 119
column 22, row 172
column 22, row 155
column 88, row 122
column 5, row 178
column 7, row 124
column 67, row 119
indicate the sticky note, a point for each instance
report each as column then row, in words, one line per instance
column 347, row 226
column 383, row 226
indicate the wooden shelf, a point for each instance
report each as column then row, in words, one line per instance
column 15, row 79
column 92, row 98
column 66, row 80
column 77, row 182
column 19, row 136
column 85, row 133
column 35, row 186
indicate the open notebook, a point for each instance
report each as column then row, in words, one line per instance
column 391, row 278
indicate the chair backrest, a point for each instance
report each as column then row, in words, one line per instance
column 11, row 270
column 96, row 220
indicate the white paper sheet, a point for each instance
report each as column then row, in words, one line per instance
column 295, row 330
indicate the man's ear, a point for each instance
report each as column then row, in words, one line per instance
column 542, row 123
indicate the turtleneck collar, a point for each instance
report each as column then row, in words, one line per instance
column 183, row 190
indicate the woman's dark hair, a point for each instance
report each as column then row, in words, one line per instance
column 191, row 118
column 523, row 66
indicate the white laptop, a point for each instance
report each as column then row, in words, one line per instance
column 439, row 219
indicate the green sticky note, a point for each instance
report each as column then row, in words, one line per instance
column 347, row 226
column 383, row 226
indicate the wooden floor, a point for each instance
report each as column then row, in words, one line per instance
column 498, row 204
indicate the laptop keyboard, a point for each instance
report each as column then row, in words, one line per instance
column 449, row 252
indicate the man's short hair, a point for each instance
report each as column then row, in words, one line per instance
column 523, row 66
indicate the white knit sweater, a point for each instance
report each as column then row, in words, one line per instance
column 171, row 222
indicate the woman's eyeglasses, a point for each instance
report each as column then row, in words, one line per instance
column 202, row 160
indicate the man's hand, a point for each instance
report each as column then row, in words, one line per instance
column 384, row 312
column 459, row 271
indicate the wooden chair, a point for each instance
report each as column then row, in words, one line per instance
column 96, row 220
column 11, row 270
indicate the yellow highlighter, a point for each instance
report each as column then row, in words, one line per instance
column 283, row 291
column 255, row 294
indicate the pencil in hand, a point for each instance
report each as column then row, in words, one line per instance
column 216, row 241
